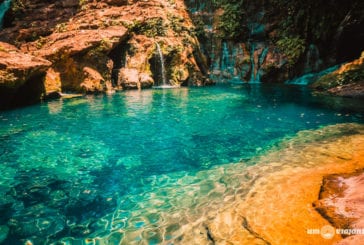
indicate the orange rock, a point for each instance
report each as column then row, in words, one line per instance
column 93, row 81
column 282, row 187
column 341, row 202
column 52, row 83
column 21, row 76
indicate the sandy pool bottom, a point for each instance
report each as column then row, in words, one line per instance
column 278, row 208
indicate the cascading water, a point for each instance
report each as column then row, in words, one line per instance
column 252, row 63
column 313, row 60
column 228, row 59
column 261, row 60
column 3, row 8
column 163, row 69
column 308, row 78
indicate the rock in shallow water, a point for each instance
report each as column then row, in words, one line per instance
column 341, row 202
column 278, row 207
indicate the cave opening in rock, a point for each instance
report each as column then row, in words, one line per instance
column 118, row 56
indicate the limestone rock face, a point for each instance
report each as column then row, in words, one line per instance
column 276, row 41
column 87, row 44
column 93, row 81
column 129, row 78
column 18, row 66
column 52, row 84
column 21, row 76
column 341, row 201
column 250, row 58
column 145, row 80
column 346, row 81
column 70, row 52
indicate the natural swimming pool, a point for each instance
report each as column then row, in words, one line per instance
column 117, row 167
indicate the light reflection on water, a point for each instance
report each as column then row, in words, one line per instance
column 140, row 165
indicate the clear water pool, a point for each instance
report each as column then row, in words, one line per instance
column 112, row 167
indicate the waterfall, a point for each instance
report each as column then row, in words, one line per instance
column 3, row 8
column 263, row 55
column 309, row 78
column 313, row 61
column 163, row 69
column 252, row 62
column 225, row 58
column 261, row 60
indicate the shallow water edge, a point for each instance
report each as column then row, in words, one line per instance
column 153, row 167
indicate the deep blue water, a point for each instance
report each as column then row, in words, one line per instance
column 68, row 164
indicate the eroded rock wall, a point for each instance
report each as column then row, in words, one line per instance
column 274, row 40
column 100, row 46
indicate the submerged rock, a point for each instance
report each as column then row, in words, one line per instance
column 341, row 202
column 273, row 202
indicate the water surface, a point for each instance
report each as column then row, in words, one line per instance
column 113, row 167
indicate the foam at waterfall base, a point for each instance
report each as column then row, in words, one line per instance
column 166, row 86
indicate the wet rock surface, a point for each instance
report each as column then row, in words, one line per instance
column 278, row 209
column 346, row 81
column 341, row 202
column 275, row 41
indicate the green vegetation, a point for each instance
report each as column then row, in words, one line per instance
column 6, row 77
column 199, row 30
column 17, row 6
column 292, row 47
column 62, row 27
column 150, row 28
column 176, row 23
column 292, row 25
column 354, row 73
column 40, row 42
column 103, row 47
column 232, row 18
column 105, row 44
column 83, row 4
column 230, row 24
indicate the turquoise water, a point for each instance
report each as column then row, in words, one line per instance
column 112, row 167
column 4, row 6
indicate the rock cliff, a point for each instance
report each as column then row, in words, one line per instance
column 20, row 76
column 275, row 40
column 346, row 81
column 98, row 46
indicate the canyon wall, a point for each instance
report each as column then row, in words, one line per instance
column 97, row 46
column 89, row 46
column 276, row 40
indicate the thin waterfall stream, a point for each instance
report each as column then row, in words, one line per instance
column 163, row 69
